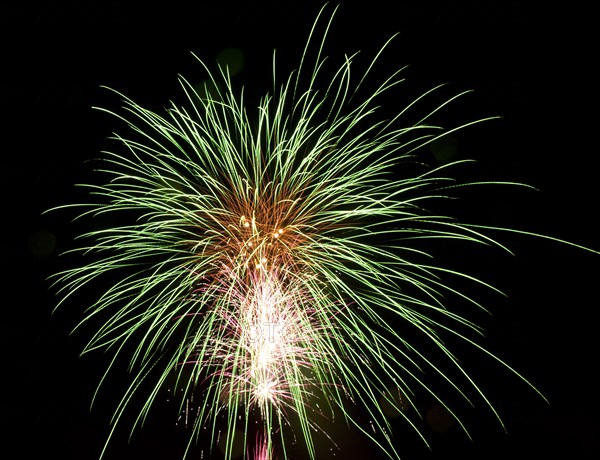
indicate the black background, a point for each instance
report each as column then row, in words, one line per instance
column 532, row 65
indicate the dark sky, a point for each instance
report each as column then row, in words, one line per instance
column 530, row 65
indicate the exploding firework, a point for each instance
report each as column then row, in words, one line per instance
column 267, row 261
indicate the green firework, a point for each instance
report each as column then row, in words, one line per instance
column 270, row 259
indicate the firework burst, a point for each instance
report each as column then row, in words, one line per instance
column 269, row 258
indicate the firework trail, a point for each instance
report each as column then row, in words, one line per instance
column 268, row 258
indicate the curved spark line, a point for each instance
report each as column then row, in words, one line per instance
column 266, row 264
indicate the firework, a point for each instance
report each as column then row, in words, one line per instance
column 270, row 260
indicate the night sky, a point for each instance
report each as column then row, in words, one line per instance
column 529, row 65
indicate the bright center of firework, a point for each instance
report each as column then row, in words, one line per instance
column 266, row 350
column 265, row 305
column 266, row 391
